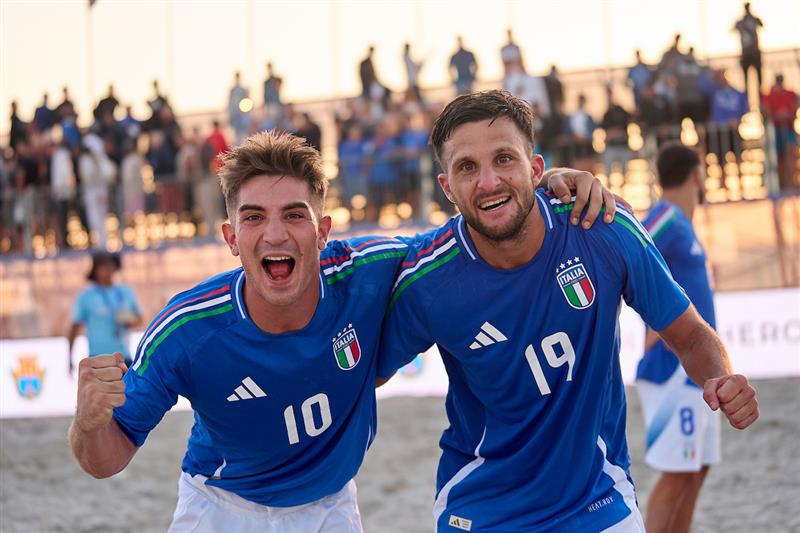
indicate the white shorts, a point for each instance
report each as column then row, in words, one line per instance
column 683, row 433
column 632, row 523
column 205, row 509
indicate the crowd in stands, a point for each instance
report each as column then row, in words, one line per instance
column 128, row 167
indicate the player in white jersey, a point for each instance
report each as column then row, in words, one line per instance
column 683, row 434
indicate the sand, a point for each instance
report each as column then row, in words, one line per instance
column 756, row 488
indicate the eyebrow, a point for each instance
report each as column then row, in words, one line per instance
column 499, row 150
column 287, row 207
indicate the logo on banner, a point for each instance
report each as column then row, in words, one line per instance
column 575, row 283
column 29, row 376
column 346, row 348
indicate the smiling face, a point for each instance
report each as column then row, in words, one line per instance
column 277, row 231
column 490, row 175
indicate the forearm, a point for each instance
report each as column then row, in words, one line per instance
column 102, row 452
column 700, row 350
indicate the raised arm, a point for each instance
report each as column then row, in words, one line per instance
column 705, row 360
column 97, row 442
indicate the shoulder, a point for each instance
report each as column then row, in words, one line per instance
column 211, row 300
column 344, row 258
column 663, row 220
column 430, row 256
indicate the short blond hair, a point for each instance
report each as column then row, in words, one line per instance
column 272, row 153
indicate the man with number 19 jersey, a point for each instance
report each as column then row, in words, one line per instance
column 280, row 419
column 536, row 402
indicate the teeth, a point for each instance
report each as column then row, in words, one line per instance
column 494, row 203
column 278, row 258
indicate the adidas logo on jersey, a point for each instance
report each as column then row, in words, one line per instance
column 487, row 336
column 246, row 391
column 460, row 523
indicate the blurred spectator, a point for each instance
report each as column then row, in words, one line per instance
column 310, row 131
column 63, row 189
column 96, row 173
column 556, row 136
column 188, row 168
column 272, row 88
column 412, row 71
column 27, row 181
column 353, row 150
column 238, row 117
column 463, row 68
column 107, row 105
column 44, row 117
column 639, row 76
column 366, row 71
column 161, row 157
column 615, row 123
column 132, row 182
column 155, row 104
column 668, row 65
column 555, row 89
column 747, row 26
column 129, row 125
column 728, row 105
column 65, row 109
column 414, row 141
column 216, row 145
column 385, row 154
column 780, row 108
column 532, row 89
column 107, row 309
column 657, row 116
column 582, row 126
column 18, row 132
column 692, row 102
column 511, row 56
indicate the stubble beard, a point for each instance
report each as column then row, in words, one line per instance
column 512, row 231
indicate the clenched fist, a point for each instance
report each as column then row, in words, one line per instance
column 100, row 390
column 735, row 396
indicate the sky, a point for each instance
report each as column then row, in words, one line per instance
column 193, row 47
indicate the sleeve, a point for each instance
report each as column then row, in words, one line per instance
column 405, row 331
column 152, row 386
column 405, row 334
column 80, row 311
column 648, row 286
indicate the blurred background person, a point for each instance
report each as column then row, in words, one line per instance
column 748, row 26
column 106, row 309
column 463, row 68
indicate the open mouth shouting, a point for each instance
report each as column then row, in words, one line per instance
column 278, row 267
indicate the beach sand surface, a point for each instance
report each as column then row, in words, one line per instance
column 755, row 488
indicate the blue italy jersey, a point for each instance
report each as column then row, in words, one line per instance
column 673, row 234
column 536, row 402
column 280, row 420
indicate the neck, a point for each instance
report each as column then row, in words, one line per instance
column 277, row 319
column 683, row 197
column 514, row 252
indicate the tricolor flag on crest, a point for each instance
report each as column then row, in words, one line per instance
column 346, row 348
column 575, row 284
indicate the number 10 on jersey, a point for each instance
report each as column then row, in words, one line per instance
column 548, row 346
column 312, row 428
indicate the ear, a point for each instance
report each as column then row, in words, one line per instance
column 537, row 169
column 445, row 185
column 323, row 232
column 230, row 237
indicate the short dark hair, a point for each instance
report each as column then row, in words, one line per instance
column 675, row 163
column 103, row 258
column 272, row 153
column 479, row 106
